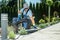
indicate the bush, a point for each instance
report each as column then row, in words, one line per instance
column 58, row 19
column 41, row 21
column 23, row 32
column 47, row 19
column 10, row 28
column 54, row 19
column 43, row 25
column 11, row 35
column 51, row 23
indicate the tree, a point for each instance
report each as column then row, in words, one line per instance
column 33, row 9
column 30, row 6
column 43, row 1
column 49, row 3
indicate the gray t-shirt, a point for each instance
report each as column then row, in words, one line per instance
column 29, row 13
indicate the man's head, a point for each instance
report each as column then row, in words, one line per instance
column 25, row 5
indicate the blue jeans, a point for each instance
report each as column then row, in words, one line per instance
column 27, row 23
column 24, row 24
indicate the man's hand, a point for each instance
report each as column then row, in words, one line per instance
column 18, row 11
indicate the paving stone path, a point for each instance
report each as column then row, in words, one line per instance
column 49, row 33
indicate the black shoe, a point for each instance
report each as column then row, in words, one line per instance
column 35, row 27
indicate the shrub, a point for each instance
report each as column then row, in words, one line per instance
column 54, row 19
column 41, row 21
column 58, row 19
column 51, row 23
column 47, row 19
column 11, row 35
column 10, row 28
column 23, row 32
column 43, row 25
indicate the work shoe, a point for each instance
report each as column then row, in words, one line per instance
column 35, row 27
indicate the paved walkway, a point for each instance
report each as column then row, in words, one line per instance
column 49, row 33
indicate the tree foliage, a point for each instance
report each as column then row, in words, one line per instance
column 38, row 10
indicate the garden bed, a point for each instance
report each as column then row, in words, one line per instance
column 29, row 31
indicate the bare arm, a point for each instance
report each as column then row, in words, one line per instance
column 32, row 20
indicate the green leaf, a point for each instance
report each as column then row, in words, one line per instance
column 49, row 2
